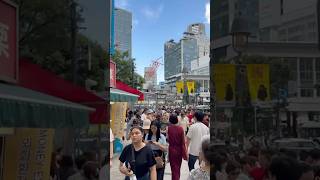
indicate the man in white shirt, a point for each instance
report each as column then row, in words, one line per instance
column 194, row 136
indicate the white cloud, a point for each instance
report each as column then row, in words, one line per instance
column 123, row 4
column 152, row 13
column 207, row 14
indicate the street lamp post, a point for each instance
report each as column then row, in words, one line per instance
column 185, row 87
column 240, row 34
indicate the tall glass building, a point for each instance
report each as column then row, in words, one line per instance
column 172, row 58
column 123, row 30
column 189, row 48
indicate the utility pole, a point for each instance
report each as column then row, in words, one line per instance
column 69, row 133
column 73, row 28
column 132, row 70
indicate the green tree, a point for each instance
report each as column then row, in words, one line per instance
column 126, row 69
column 45, row 38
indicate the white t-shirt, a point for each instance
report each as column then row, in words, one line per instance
column 195, row 134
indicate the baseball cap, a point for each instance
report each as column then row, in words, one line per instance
column 146, row 124
column 149, row 111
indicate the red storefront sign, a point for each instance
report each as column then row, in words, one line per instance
column 113, row 74
column 8, row 41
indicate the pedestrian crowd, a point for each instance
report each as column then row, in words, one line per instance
column 163, row 136
column 83, row 167
column 264, row 164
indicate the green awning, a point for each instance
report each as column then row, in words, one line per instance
column 117, row 95
column 21, row 107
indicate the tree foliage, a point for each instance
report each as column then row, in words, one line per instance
column 126, row 69
column 45, row 38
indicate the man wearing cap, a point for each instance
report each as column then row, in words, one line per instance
column 147, row 121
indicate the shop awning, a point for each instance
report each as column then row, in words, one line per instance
column 33, row 77
column 124, row 87
column 21, row 107
column 117, row 95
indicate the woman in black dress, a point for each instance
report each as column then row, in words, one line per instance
column 137, row 159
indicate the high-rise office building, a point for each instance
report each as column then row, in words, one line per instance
column 178, row 55
column 123, row 30
column 197, row 29
column 172, row 58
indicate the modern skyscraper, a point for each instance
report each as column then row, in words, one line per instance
column 172, row 58
column 189, row 52
column 123, row 30
column 193, row 45
column 197, row 29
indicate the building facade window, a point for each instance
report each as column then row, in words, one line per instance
column 306, row 70
column 307, row 92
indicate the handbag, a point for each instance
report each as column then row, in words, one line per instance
column 159, row 161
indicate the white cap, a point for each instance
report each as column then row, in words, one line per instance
column 146, row 124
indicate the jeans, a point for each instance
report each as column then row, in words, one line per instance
column 160, row 174
column 192, row 161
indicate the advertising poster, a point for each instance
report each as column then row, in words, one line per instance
column 225, row 80
column 179, row 86
column 191, row 87
column 118, row 116
column 259, row 82
column 28, row 154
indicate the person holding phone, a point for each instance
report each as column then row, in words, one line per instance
column 158, row 144
column 137, row 159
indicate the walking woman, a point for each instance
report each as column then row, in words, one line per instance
column 137, row 159
column 177, row 146
column 158, row 144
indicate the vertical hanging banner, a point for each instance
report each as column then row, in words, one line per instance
column 191, row 87
column 225, row 80
column 259, row 81
column 118, row 116
column 9, row 41
column 180, row 87
column 28, row 154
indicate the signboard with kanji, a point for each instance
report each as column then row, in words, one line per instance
column 28, row 154
column 8, row 41
column 113, row 74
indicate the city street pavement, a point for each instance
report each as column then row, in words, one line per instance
column 116, row 175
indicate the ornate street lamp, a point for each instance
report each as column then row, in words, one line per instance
column 185, row 92
column 240, row 33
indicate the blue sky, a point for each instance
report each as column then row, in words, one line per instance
column 157, row 21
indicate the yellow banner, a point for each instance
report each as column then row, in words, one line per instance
column 180, row 87
column 28, row 154
column 224, row 77
column 191, row 87
column 259, row 81
column 118, row 116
